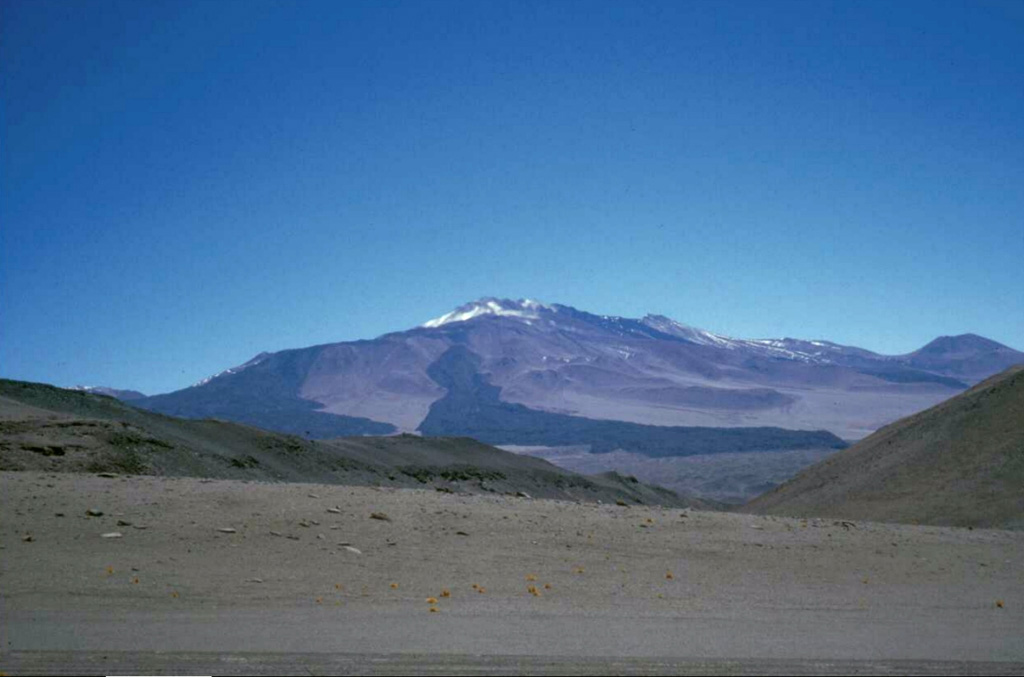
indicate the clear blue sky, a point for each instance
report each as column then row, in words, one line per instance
column 185, row 184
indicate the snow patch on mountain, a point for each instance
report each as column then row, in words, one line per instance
column 525, row 309
column 233, row 370
column 667, row 325
column 112, row 392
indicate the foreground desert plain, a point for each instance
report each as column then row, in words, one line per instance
column 245, row 577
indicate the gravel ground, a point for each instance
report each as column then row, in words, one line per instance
column 241, row 576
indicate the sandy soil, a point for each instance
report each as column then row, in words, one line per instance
column 640, row 589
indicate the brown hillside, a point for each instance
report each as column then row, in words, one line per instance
column 960, row 463
column 44, row 428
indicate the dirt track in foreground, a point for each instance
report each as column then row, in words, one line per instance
column 751, row 591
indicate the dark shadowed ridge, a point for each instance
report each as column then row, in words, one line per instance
column 960, row 463
column 57, row 430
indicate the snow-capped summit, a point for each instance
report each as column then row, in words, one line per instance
column 233, row 370
column 523, row 308
column 111, row 392
column 572, row 320
column 667, row 325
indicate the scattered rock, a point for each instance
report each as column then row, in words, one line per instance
column 313, row 496
column 226, row 530
column 106, row 474
column 276, row 533
column 622, row 503
column 380, row 516
column 355, row 550
column 112, row 534
column 123, row 523
column 336, row 511
column 320, row 537
column 93, row 512
column 140, row 526
column 522, row 494
column 254, row 580
column 28, row 538
column 461, row 533
column 58, row 514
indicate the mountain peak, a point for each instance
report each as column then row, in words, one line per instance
column 962, row 343
column 528, row 309
column 110, row 392
column 234, row 370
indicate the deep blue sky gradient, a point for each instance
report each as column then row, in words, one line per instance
column 183, row 185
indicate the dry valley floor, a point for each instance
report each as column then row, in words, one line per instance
column 235, row 577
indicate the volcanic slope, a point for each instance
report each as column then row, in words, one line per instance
column 960, row 463
column 556, row 359
column 57, row 430
column 473, row 407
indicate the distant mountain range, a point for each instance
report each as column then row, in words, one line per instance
column 529, row 373
column 960, row 463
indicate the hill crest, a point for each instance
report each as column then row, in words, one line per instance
column 960, row 463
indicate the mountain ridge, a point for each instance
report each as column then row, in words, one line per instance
column 557, row 359
column 120, row 394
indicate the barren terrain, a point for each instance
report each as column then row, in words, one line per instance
column 960, row 463
column 731, row 478
column 231, row 577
